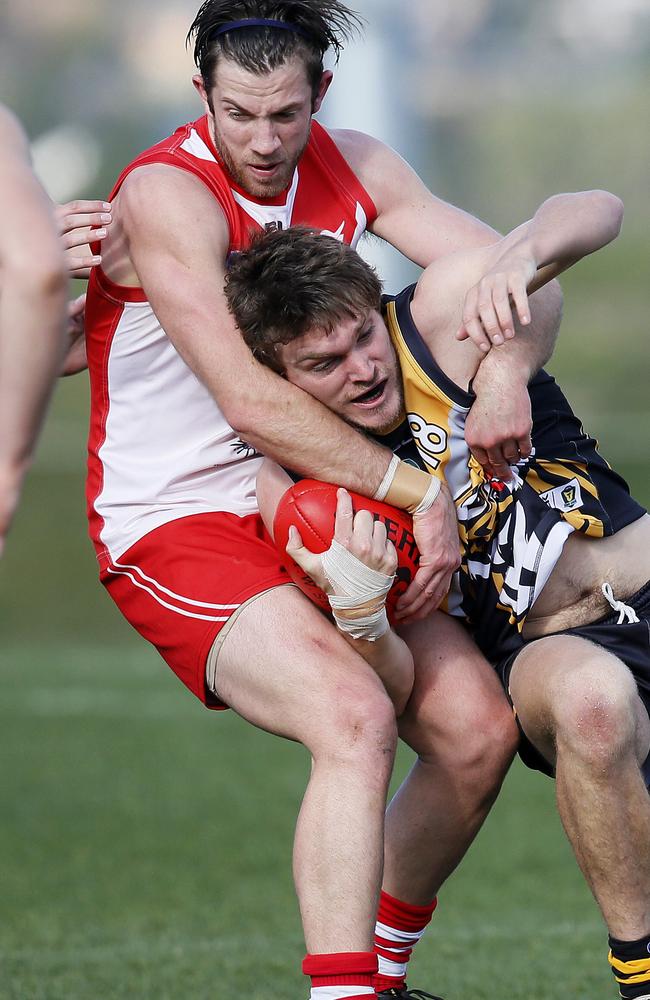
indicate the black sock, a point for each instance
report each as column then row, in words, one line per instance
column 630, row 962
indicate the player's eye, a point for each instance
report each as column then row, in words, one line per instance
column 366, row 335
column 326, row 365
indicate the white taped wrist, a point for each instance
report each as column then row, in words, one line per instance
column 352, row 578
column 360, row 593
column 389, row 475
column 371, row 627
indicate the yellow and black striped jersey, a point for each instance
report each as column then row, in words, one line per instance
column 511, row 534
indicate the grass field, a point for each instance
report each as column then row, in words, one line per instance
column 145, row 851
column 145, row 843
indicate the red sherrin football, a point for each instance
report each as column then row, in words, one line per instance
column 311, row 506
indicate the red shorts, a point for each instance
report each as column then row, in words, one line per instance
column 181, row 584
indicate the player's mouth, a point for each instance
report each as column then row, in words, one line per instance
column 372, row 396
column 265, row 170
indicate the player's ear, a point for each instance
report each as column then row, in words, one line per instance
column 199, row 87
column 323, row 87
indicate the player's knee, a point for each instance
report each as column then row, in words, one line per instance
column 596, row 717
column 498, row 738
column 490, row 740
column 358, row 729
column 479, row 740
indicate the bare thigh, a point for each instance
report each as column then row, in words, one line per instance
column 284, row 667
column 458, row 704
column 564, row 687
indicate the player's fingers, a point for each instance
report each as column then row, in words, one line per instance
column 383, row 549
column 361, row 543
column 80, row 207
column 520, row 298
column 81, row 267
column 423, row 595
column 503, row 310
column 499, row 464
column 81, row 237
column 379, row 534
column 488, row 317
column 84, row 223
column 525, row 446
column 76, row 306
column 343, row 521
column 476, row 332
column 294, row 539
column 471, row 325
column 309, row 561
column 510, row 451
column 480, row 454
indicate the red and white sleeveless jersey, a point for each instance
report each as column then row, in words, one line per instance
column 159, row 447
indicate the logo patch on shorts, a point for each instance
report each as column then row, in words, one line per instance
column 566, row 497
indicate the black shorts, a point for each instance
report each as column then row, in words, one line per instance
column 630, row 642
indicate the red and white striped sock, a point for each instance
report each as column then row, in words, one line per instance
column 345, row 976
column 398, row 929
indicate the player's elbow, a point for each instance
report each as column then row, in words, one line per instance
column 244, row 415
column 610, row 210
column 251, row 410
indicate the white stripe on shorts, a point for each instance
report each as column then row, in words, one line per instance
column 172, row 607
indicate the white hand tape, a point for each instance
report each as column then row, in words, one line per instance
column 357, row 585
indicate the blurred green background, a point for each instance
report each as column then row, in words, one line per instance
column 145, row 844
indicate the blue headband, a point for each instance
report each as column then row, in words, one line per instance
column 258, row 22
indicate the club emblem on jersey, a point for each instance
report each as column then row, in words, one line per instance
column 565, row 497
column 244, row 450
column 569, row 495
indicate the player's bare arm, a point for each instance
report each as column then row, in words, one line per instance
column 409, row 216
column 493, row 284
column 474, row 289
column 387, row 654
column 424, row 228
column 32, row 304
column 178, row 256
column 566, row 228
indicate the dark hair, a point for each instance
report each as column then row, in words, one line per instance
column 323, row 24
column 295, row 280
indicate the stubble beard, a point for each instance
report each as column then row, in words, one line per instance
column 243, row 180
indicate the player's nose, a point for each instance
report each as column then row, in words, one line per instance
column 362, row 368
column 265, row 138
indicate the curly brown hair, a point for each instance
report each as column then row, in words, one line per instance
column 295, row 280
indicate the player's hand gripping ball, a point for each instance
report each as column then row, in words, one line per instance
column 311, row 506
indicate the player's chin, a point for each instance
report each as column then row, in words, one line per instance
column 267, row 185
column 378, row 421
